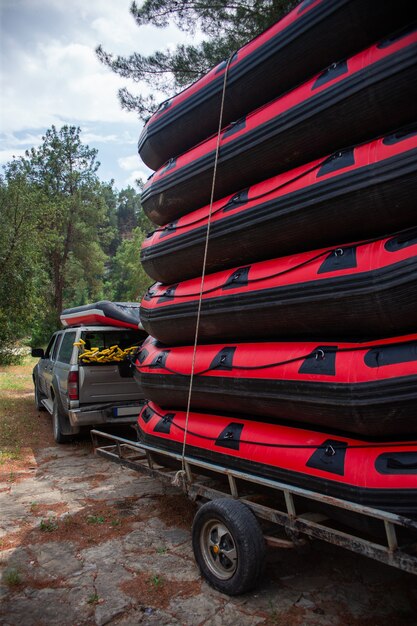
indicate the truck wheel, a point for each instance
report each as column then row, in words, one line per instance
column 228, row 546
column 60, row 425
column 38, row 397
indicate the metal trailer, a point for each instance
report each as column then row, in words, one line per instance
column 242, row 513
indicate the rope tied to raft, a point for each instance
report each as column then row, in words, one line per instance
column 237, row 201
column 234, row 200
column 329, row 449
column 181, row 475
column 337, row 252
column 319, row 354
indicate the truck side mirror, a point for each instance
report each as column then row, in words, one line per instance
column 38, row 352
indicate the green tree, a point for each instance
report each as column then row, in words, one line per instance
column 128, row 206
column 226, row 24
column 76, row 226
column 23, row 280
column 109, row 233
column 66, row 239
column 127, row 278
column 130, row 213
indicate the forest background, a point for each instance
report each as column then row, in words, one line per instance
column 68, row 237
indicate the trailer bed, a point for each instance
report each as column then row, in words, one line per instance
column 377, row 534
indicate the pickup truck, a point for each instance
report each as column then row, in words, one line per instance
column 78, row 394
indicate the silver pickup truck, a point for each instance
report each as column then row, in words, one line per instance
column 78, row 394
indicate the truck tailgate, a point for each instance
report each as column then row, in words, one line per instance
column 103, row 383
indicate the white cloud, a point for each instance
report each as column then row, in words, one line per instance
column 51, row 75
column 129, row 163
column 14, row 146
column 9, row 155
column 61, row 83
column 134, row 176
column 89, row 137
column 115, row 28
column 28, row 139
column 129, row 138
column 134, row 165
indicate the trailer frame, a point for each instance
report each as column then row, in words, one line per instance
column 139, row 456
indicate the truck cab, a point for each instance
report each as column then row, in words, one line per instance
column 79, row 394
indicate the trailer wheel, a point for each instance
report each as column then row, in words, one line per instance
column 228, row 546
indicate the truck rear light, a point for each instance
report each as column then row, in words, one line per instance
column 73, row 386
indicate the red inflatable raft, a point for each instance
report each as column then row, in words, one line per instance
column 365, row 191
column 382, row 475
column 312, row 36
column 369, row 389
column 364, row 290
column 311, row 121
column 103, row 313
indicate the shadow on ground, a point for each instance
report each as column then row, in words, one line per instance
column 84, row 541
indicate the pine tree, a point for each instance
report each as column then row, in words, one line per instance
column 226, row 24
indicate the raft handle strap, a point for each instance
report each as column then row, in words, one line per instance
column 329, row 450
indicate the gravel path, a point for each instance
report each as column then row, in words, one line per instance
column 83, row 541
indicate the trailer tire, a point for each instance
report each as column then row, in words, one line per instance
column 228, row 546
column 60, row 424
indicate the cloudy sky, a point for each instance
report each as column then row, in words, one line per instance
column 50, row 75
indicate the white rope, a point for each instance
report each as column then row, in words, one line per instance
column 180, row 476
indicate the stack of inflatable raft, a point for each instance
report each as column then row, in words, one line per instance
column 104, row 313
column 306, row 364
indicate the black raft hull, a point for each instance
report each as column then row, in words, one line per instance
column 357, row 292
column 104, row 313
column 311, row 37
column 382, row 475
column 366, row 389
column 365, row 191
column 356, row 100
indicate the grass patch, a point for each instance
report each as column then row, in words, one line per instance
column 22, row 427
column 12, row 477
column 49, row 525
column 12, row 577
column 15, row 377
column 89, row 526
column 156, row 581
column 96, row 519
column 93, row 599
column 10, row 454
column 158, row 592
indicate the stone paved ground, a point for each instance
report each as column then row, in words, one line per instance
column 83, row 541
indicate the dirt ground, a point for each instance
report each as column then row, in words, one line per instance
column 84, row 541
